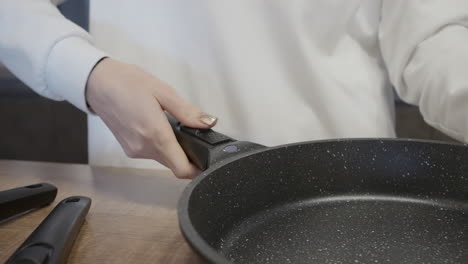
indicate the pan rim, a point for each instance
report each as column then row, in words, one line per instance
column 193, row 238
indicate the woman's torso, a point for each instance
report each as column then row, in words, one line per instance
column 273, row 71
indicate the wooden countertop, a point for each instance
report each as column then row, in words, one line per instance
column 132, row 217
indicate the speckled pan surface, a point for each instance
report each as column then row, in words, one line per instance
column 343, row 201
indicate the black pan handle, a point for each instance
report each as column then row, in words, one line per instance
column 53, row 239
column 17, row 201
column 204, row 147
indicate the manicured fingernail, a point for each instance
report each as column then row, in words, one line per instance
column 208, row 120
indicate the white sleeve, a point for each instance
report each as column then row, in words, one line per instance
column 46, row 51
column 425, row 48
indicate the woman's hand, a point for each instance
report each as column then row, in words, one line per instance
column 131, row 103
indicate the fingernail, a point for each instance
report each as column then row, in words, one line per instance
column 208, row 120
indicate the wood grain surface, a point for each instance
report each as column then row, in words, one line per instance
column 132, row 217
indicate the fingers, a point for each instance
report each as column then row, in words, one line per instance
column 183, row 111
column 131, row 102
column 188, row 115
column 172, row 155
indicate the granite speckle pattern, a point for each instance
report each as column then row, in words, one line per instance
column 344, row 201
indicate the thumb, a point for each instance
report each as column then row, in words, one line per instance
column 183, row 111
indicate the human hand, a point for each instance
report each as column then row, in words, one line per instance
column 131, row 103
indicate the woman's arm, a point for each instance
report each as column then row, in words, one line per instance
column 46, row 51
column 425, row 48
column 57, row 59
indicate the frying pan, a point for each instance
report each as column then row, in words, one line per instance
column 333, row 201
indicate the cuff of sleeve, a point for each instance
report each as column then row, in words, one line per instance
column 69, row 64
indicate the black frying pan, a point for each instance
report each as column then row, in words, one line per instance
column 335, row 201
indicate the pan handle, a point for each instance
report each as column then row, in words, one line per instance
column 204, row 147
column 20, row 200
column 53, row 239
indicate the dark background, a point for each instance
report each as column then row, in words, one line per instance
column 35, row 128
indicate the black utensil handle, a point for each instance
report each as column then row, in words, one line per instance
column 53, row 239
column 205, row 147
column 20, row 200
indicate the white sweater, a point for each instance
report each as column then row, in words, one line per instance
column 274, row 71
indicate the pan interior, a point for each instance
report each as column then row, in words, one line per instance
column 356, row 201
column 352, row 229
